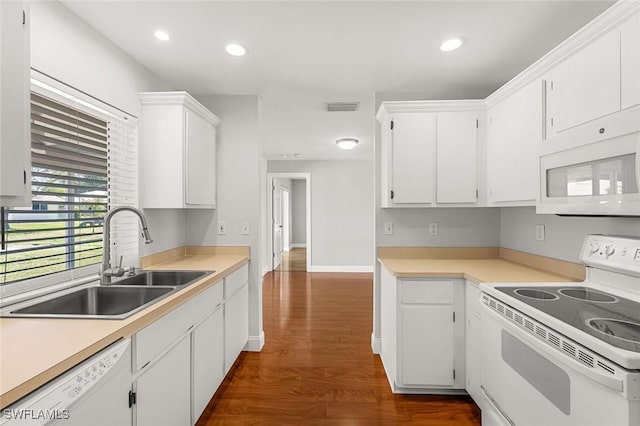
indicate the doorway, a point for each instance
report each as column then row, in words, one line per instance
column 289, row 221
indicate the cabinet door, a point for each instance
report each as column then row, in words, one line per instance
column 427, row 345
column 208, row 360
column 630, row 61
column 457, row 157
column 200, row 152
column 15, row 143
column 236, row 326
column 585, row 86
column 412, row 158
column 514, row 131
column 473, row 341
column 164, row 391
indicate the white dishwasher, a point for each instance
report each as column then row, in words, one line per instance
column 95, row 392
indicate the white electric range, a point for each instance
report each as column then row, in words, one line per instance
column 566, row 353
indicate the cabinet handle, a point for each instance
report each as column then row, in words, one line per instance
column 601, row 130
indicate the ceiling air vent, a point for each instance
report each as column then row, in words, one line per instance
column 342, row 106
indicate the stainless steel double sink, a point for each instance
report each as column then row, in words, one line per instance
column 118, row 300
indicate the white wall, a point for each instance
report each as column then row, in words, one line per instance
column 341, row 212
column 299, row 212
column 458, row 227
column 67, row 49
column 239, row 173
column 563, row 235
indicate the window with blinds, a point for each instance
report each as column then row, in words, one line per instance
column 84, row 161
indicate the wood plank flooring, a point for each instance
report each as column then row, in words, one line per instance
column 317, row 368
column 294, row 260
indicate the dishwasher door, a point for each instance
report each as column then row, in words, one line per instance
column 95, row 392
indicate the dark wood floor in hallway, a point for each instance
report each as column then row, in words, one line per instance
column 317, row 367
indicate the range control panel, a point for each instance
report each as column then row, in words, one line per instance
column 620, row 254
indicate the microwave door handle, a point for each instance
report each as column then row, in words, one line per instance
column 611, row 382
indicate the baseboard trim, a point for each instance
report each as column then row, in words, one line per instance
column 255, row 343
column 340, row 268
column 298, row 245
column 376, row 344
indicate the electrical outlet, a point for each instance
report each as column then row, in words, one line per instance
column 388, row 228
column 433, row 228
column 540, row 232
column 222, row 228
column 245, row 228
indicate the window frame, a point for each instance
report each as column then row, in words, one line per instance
column 63, row 93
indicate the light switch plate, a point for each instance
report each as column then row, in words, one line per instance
column 245, row 228
column 222, row 228
column 388, row 228
column 540, row 232
column 433, row 228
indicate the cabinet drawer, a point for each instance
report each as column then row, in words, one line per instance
column 427, row 291
column 233, row 282
column 156, row 337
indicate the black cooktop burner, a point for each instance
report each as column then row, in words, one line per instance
column 615, row 320
column 536, row 294
column 619, row 329
column 587, row 294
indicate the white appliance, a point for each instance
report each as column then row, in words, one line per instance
column 565, row 354
column 94, row 393
column 593, row 169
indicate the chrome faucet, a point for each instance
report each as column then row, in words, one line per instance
column 106, row 271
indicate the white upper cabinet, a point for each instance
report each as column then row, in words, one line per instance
column 514, row 131
column 412, row 147
column 457, row 157
column 584, row 86
column 178, row 152
column 429, row 153
column 630, row 61
column 15, row 141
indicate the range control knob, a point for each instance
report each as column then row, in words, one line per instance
column 594, row 247
column 609, row 250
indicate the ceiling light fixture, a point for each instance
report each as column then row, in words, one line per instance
column 162, row 35
column 451, row 44
column 235, row 49
column 347, row 143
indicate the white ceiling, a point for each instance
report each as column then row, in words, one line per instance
column 304, row 53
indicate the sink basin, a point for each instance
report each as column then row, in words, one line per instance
column 96, row 302
column 162, row 278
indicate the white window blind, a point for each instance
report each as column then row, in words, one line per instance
column 84, row 161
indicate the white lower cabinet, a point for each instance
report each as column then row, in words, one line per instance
column 473, row 342
column 422, row 331
column 180, row 360
column 163, row 392
column 236, row 326
column 207, row 365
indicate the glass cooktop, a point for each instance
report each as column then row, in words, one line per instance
column 612, row 319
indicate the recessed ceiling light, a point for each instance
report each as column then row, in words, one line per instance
column 347, row 143
column 235, row 49
column 451, row 44
column 162, row 35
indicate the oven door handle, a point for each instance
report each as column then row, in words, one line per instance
column 614, row 383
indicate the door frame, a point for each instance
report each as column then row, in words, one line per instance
column 269, row 225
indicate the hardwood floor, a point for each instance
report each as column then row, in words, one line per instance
column 317, row 368
column 294, row 260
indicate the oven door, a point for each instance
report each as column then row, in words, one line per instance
column 593, row 169
column 531, row 383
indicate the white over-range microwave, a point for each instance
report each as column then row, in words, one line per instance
column 593, row 169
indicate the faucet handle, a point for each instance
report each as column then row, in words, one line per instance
column 120, row 263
